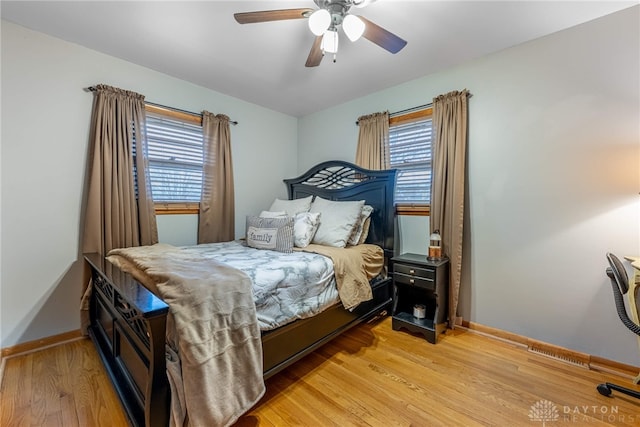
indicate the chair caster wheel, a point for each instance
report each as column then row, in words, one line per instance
column 604, row 389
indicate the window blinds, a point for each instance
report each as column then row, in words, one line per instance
column 410, row 151
column 175, row 159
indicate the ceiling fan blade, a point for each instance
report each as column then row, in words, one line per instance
column 271, row 15
column 315, row 55
column 383, row 38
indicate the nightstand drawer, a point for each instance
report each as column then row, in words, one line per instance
column 411, row 270
column 421, row 282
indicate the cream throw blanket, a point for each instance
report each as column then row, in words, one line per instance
column 215, row 357
column 353, row 267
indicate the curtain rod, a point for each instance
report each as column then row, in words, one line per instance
column 418, row 108
column 407, row 110
column 233, row 122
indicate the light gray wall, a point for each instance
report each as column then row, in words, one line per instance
column 553, row 173
column 45, row 126
column 178, row 230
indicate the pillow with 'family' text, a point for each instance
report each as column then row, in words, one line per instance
column 270, row 233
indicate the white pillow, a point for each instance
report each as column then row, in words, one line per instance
column 305, row 227
column 291, row 207
column 269, row 214
column 337, row 220
column 358, row 228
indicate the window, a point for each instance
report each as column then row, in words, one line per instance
column 175, row 160
column 410, row 153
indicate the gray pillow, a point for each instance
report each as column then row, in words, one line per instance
column 270, row 233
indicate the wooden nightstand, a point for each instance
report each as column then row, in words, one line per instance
column 417, row 280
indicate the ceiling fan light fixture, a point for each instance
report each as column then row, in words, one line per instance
column 353, row 27
column 325, row 23
column 330, row 41
column 319, row 21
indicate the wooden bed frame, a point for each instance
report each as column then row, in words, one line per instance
column 128, row 322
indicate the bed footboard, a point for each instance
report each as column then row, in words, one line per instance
column 127, row 325
column 291, row 342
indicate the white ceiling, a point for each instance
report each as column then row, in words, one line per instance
column 199, row 41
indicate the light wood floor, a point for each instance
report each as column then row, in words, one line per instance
column 371, row 376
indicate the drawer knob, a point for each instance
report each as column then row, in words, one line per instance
column 412, row 281
column 412, row 271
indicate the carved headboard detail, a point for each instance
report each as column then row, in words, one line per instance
column 340, row 180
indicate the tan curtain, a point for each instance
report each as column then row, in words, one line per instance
column 447, row 188
column 114, row 216
column 373, row 141
column 217, row 205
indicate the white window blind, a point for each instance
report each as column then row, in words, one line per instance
column 175, row 159
column 410, row 151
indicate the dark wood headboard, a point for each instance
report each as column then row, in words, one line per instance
column 339, row 180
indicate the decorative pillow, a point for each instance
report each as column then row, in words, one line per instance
column 358, row 228
column 270, row 233
column 365, row 231
column 291, row 207
column 337, row 221
column 305, row 227
column 269, row 214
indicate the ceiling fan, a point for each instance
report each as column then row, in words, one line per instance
column 324, row 23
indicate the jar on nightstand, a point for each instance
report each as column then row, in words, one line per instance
column 435, row 246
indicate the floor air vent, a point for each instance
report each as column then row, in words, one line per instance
column 574, row 359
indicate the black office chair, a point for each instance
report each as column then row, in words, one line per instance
column 620, row 285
